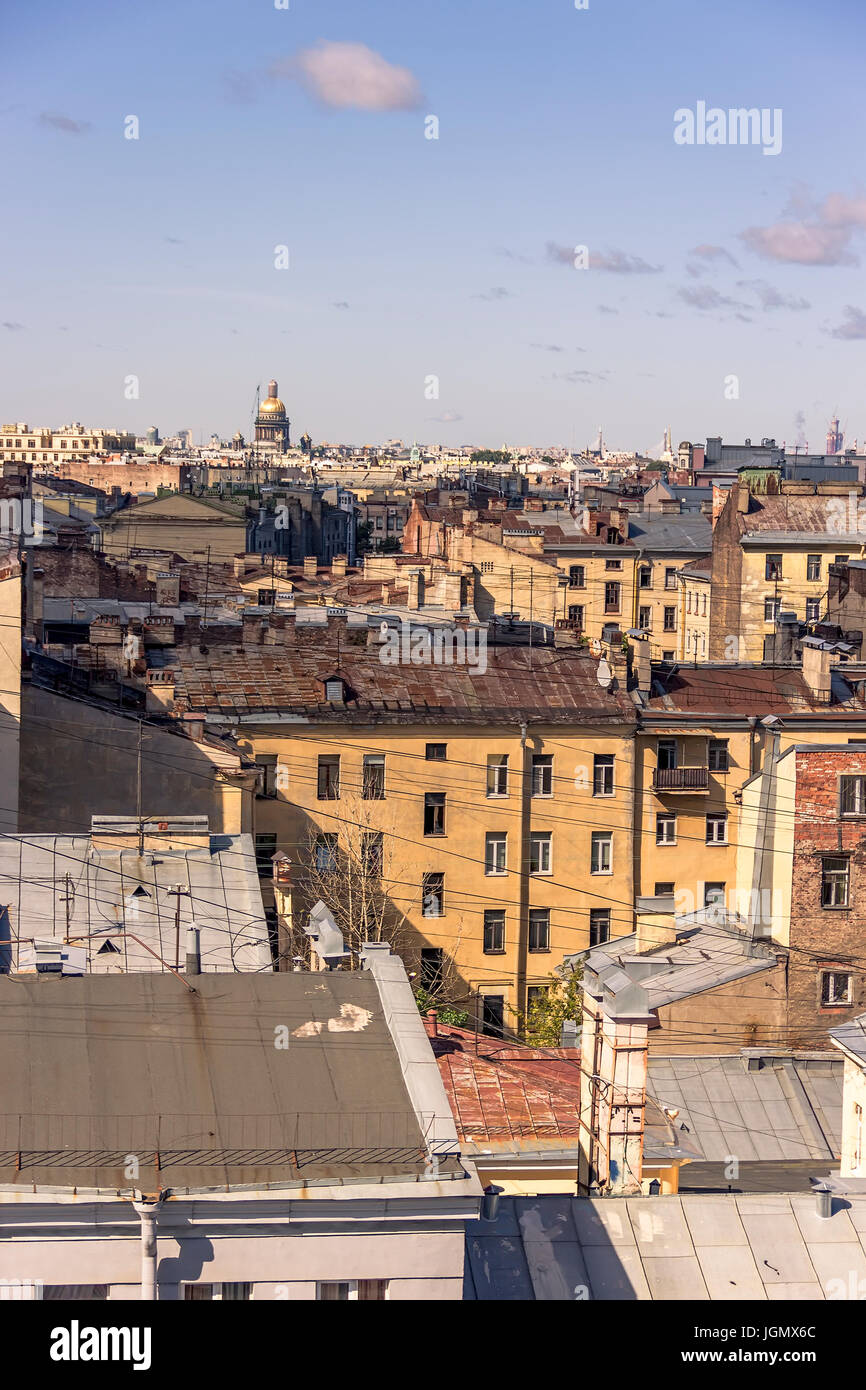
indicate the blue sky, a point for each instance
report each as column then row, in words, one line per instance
column 412, row 258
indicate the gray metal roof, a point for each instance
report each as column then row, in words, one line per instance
column 851, row 1037
column 687, row 532
column 96, row 1069
column 704, row 1247
column 110, row 886
column 783, row 1107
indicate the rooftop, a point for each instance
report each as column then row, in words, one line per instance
column 97, row 1069
column 692, row 1247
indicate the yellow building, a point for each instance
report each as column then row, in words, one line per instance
column 481, row 818
column 773, row 544
column 10, row 687
column 187, row 526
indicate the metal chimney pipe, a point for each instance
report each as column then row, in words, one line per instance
column 490, row 1203
column 824, row 1201
column 193, row 951
column 148, row 1210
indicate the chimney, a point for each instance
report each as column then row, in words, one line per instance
column 194, row 725
column 311, row 565
column 642, row 666
column 432, row 1023
column 720, row 497
column 338, row 566
column 816, row 668
column 414, row 599
column 193, row 951
column 168, row 589
column 159, row 692
column 743, row 497
column 252, row 627
column 239, row 565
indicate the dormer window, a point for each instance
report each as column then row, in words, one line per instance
column 334, row 691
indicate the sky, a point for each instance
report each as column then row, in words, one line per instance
column 431, row 291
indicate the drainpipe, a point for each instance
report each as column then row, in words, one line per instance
column 148, row 1209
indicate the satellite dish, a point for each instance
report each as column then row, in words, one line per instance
column 603, row 674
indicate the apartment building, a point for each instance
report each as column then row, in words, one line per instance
column 489, row 810
column 72, row 443
column 773, row 544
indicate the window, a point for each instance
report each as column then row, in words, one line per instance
column 539, row 929
column 717, row 755
column 577, row 577
column 666, row 753
column 645, row 577
column 611, row 597
column 663, row 890
column 601, row 858
column 266, row 598
column 334, row 691
column 643, row 619
column 432, row 895
column 371, row 852
column 493, row 1015
column 813, row 610
column 772, row 607
column 266, row 848
column 667, row 656
column 268, row 775
column 670, row 578
column 373, row 782
column 666, row 830
column 670, row 623
column 717, row 830
column 835, row 987
column 494, row 932
column 834, row 882
column 714, row 895
column 575, row 614
column 840, row 559
column 852, row 796
column 329, row 777
column 602, row 774
column 436, row 752
column 434, row 813
column 535, row 995
column 494, row 852
column 540, row 852
column 773, row 567
column 813, row 567
column 326, row 853
column 599, row 926
column 613, row 564
column 497, row 774
column 352, row 1290
column 542, row 774
column 206, row 1292
column 431, row 968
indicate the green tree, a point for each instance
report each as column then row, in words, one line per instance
column 458, row 1018
column 561, row 1000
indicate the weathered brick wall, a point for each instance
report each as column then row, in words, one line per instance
column 727, row 566
column 825, row 938
column 80, row 573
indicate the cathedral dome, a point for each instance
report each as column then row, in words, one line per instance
column 272, row 406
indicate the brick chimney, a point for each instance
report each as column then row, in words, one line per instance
column 253, row 628
column 338, row 566
column 743, row 497
column 720, row 497
column 311, row 565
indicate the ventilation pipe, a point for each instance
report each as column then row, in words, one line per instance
column 148, row 1209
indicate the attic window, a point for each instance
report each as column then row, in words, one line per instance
column 139, row 892
column 334, row 691
column 108, row 948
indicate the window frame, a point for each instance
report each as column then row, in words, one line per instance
column 604, row 764
column 599, row 913
column 663, row 818
column 434, row 803
column 541, row 776
column 497, row 771
column 831, row 878
column 494, row 838
column 716, row 818
column 543, row 839
column 428, row 893
column 533, row 927
column 496, row 930
column 598, row 839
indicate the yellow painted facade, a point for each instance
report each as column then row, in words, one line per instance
column 523, row 882
column 188, row 526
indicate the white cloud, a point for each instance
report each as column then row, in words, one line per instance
column 352, row 76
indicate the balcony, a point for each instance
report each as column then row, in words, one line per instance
column 688, row 780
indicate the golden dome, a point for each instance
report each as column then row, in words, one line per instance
column 272, row 405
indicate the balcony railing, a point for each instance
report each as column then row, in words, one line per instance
column 681, row 779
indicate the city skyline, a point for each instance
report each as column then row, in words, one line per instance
column 411, row 258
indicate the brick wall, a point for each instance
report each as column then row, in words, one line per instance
column 825, row 938
column 80, row 573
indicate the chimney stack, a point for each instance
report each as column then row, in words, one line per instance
column 338, row 566
column 311, row 565
column 193, row 951
column 816, row 668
